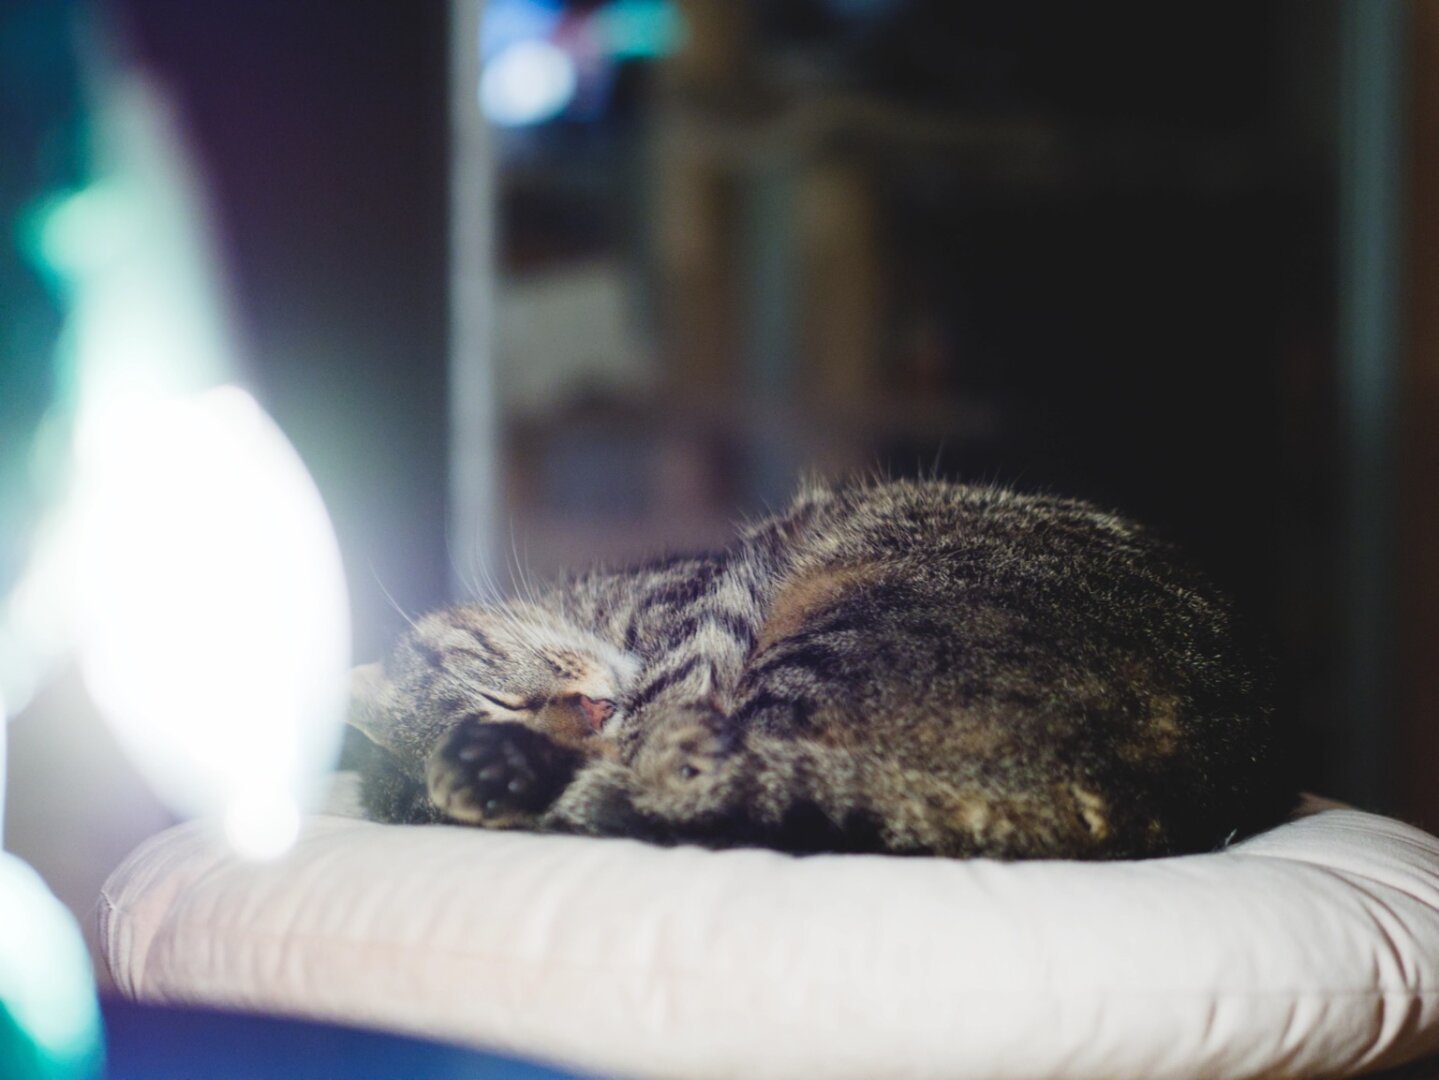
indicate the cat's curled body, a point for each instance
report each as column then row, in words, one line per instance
column 911, row 667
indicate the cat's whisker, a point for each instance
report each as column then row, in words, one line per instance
column 467, row 576
column 388, row 596
column 484, row 588
column 517, row 569
column 938, row 457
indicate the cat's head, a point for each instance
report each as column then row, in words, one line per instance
column 512, row 662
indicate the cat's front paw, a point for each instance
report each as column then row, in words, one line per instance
column 692, row 762
column 498, row 774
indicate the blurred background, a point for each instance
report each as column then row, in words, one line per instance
column 534, row 283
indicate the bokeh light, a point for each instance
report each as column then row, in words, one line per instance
column 210, row 607
column 187, row 561
column 49, row 1018
column 528, row 82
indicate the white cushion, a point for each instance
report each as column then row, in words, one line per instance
column 1313, row 949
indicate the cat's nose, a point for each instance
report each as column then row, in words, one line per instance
column 596, row 711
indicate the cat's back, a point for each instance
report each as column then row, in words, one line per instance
column 968, row 546
column 941, row 521
column 969, row 624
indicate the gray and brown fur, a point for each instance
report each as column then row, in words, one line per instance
column 913, row 667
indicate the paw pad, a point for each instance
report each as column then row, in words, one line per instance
column 498, row 773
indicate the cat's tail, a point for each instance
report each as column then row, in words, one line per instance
column 812, row 796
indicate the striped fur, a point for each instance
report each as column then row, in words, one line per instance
column 913, row 667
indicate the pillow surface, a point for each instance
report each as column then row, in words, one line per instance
column 1312, row 949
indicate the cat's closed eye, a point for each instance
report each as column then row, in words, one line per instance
column 511, row 704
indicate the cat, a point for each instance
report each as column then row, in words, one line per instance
column 908, row 667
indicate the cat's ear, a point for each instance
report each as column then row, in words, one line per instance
column 367, row 704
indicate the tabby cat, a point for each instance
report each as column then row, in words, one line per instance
column 913, row 667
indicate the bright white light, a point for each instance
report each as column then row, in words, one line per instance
column 4, row 747
column 210, row 605
column 261, row 825
column 527, row 82
column 192, row 565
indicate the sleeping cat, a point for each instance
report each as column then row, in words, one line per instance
column 912, row 667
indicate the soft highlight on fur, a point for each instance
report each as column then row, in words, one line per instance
column 912, row 667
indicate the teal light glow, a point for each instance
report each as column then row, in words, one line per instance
column 85, row 230
column 641, row 29
column 49, row 1020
